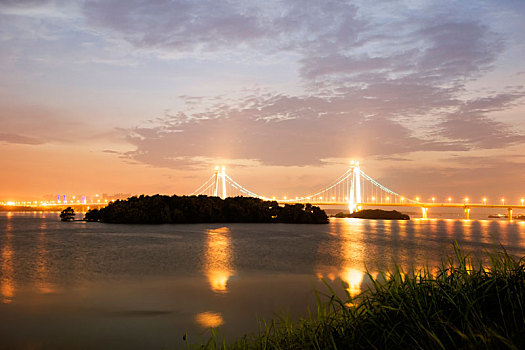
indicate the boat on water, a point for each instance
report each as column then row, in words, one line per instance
column 504, row 216
column 498, row 216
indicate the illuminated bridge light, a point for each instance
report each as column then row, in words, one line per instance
column 449, row 199
column 485, row 200
column 466, row 199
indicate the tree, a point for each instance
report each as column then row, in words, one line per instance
column 67, row 214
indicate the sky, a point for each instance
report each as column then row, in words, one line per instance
column 148, row 96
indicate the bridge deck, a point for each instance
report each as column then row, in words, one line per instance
column 417, row 204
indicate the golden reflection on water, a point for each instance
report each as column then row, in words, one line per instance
column 209, row 319
column 7, row 281
column 218, row 266
column 351, row 254
column 42, row 270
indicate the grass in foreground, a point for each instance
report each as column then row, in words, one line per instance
column 463, row 306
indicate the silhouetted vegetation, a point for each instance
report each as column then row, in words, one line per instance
column 375, row 214
column 67, row 214
column 159, row 209
column 464, row 305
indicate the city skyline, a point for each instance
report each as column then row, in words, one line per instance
column 148, row 97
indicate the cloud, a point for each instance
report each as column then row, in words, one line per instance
column 19, row 139
column 377, row 79
column 204, row 26
column 470, row 122
column 39, row 124
column 36, row 8
column 375, row 88
column 279, row 130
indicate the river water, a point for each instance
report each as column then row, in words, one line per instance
column 92, row 285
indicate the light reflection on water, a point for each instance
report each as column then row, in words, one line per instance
column 209, row 319
column 409, row 245
column 146, row 286
column 349, row 252
column 41, row 262
column 218, row 259
column 7, row 288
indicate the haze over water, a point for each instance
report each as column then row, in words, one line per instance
column 87, row 285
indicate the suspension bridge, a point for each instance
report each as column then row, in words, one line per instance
column 353, row 189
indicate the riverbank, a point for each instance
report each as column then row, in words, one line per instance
column 461, row 305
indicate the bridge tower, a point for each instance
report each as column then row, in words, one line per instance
column 220, row 176
column 354, row 198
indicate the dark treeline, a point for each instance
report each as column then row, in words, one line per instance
column 377, row 214
column 160, row 209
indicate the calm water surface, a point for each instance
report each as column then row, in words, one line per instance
column 90, row 285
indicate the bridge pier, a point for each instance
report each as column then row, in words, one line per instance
column 467, row 213
column 424, row 213
column 509, row 211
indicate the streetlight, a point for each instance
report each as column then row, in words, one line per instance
column 433, row 200
column 387, row 199
column 484, row 200
column 466, row 199
column 402, row 199
column 449, row 199
column 503, row 201
column 417, row 199
column 373, row 199
column 522, row 200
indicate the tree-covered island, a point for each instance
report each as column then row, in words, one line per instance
column 377, row 214
column 159, row 209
